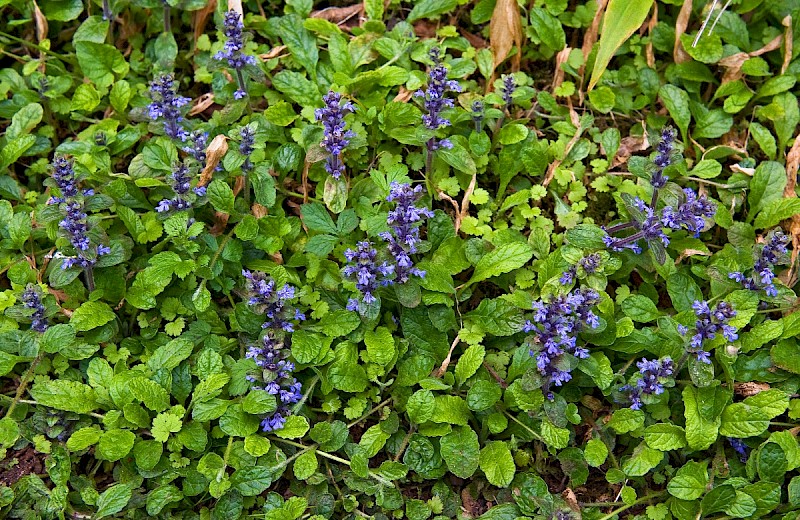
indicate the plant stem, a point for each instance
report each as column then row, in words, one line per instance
column 23, row 384
column 645, row 498
column 88, row 273
column 167, row 17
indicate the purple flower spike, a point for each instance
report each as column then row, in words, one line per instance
column 435, row 99
column 709, row 322
column 665, row 155
column 404, row 235
column 556, row 324
column 653, row 373
column 763, row 275
column 508, row 89
column 365, row 271
column 166, row 105
column 246, row 147
column 740, row 448
column 274, row 302
column 233, row 28
column 336, row 136
column 689, row 214
column 276, row 374
column 181, row 185
column 32, row 299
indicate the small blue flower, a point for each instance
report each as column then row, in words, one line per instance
column 556, row 324
column 275, row 303
column 181, row 185
column 32, row 299
column 740, row 448
column 508, row 89
column 198, row 143
column 366, row 272
column 404, row 223
column 665, row 155
column 763, row 276
column 336, row 136
column 166, row 106
column 276, row 375
column 246, row 147
column 477, row 114
column 435, row 99
column 233, row 53
column 709, row 322
column 653, row 373
column 690, row 213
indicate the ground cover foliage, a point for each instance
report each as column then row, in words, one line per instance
column 398, row 260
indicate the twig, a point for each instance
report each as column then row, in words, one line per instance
column 446, row 362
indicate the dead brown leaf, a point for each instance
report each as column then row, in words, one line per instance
column 790, row 191
column 238, row 184
column 403, row 95
column 201, row 18
column 214, row 153
column 275, row 52
column 733, row 63
column 678, row 52
column 788, row 38
column 258, row 210
column 473, row 39
column 561, row 58
column 590, row 37
column 202, row 103
column 572, row 501
column 425, row 29
column 220, row 223
column 341, row 15
column 236, row 5
column 629, row 146
column 750, row 388
column 505, row 31
column 648, row 50
column 41, row 31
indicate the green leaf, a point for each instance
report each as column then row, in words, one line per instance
column 595, row 453
column 253, row 481
column 622, row 18
column 461, row 451
column 512, row 133
column 677, row 102
column 643, row 460
column 775, row 211
column 26, row 119
column 626, row 420
column 83, row 438
column 420, row 406
column 57, row 337
column 773, row 402
column 170, row 355
column 741, row 420
column 766, row 185
column 718, row 499
column 548, row 28
column 14, row 149
column 483, row 394
column 702, row 408
column 430, row 9
column 690, row 481
column 164, row 424
column 771, row 463
column 450, row 409
column 236, row 423
column 665, row 437
column 221, row 196
column 63, row 394
column 150, row 393
column 296, row 426
column 497, row 463
column 91, row 315
column 497, row 317
column 100, row 62
column 459, row 158
column 501, row 260
column 85, row 98
column 317, row 218
column 469, row 362
column 115, row 444
column 380, row 345
column 300, row 42
column 147, row 453
column 61, row 10
column 113, row 500
column 598, row 367
column 640, row 308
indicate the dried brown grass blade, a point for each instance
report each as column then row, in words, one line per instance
column 236, row 5
column 648, row 50
column 202, row 103
column 201, row 18
column 590, row 38
column 790, row 191
column 788, row 39
column 339, row 15
column 678, row 53
column 505, row 31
